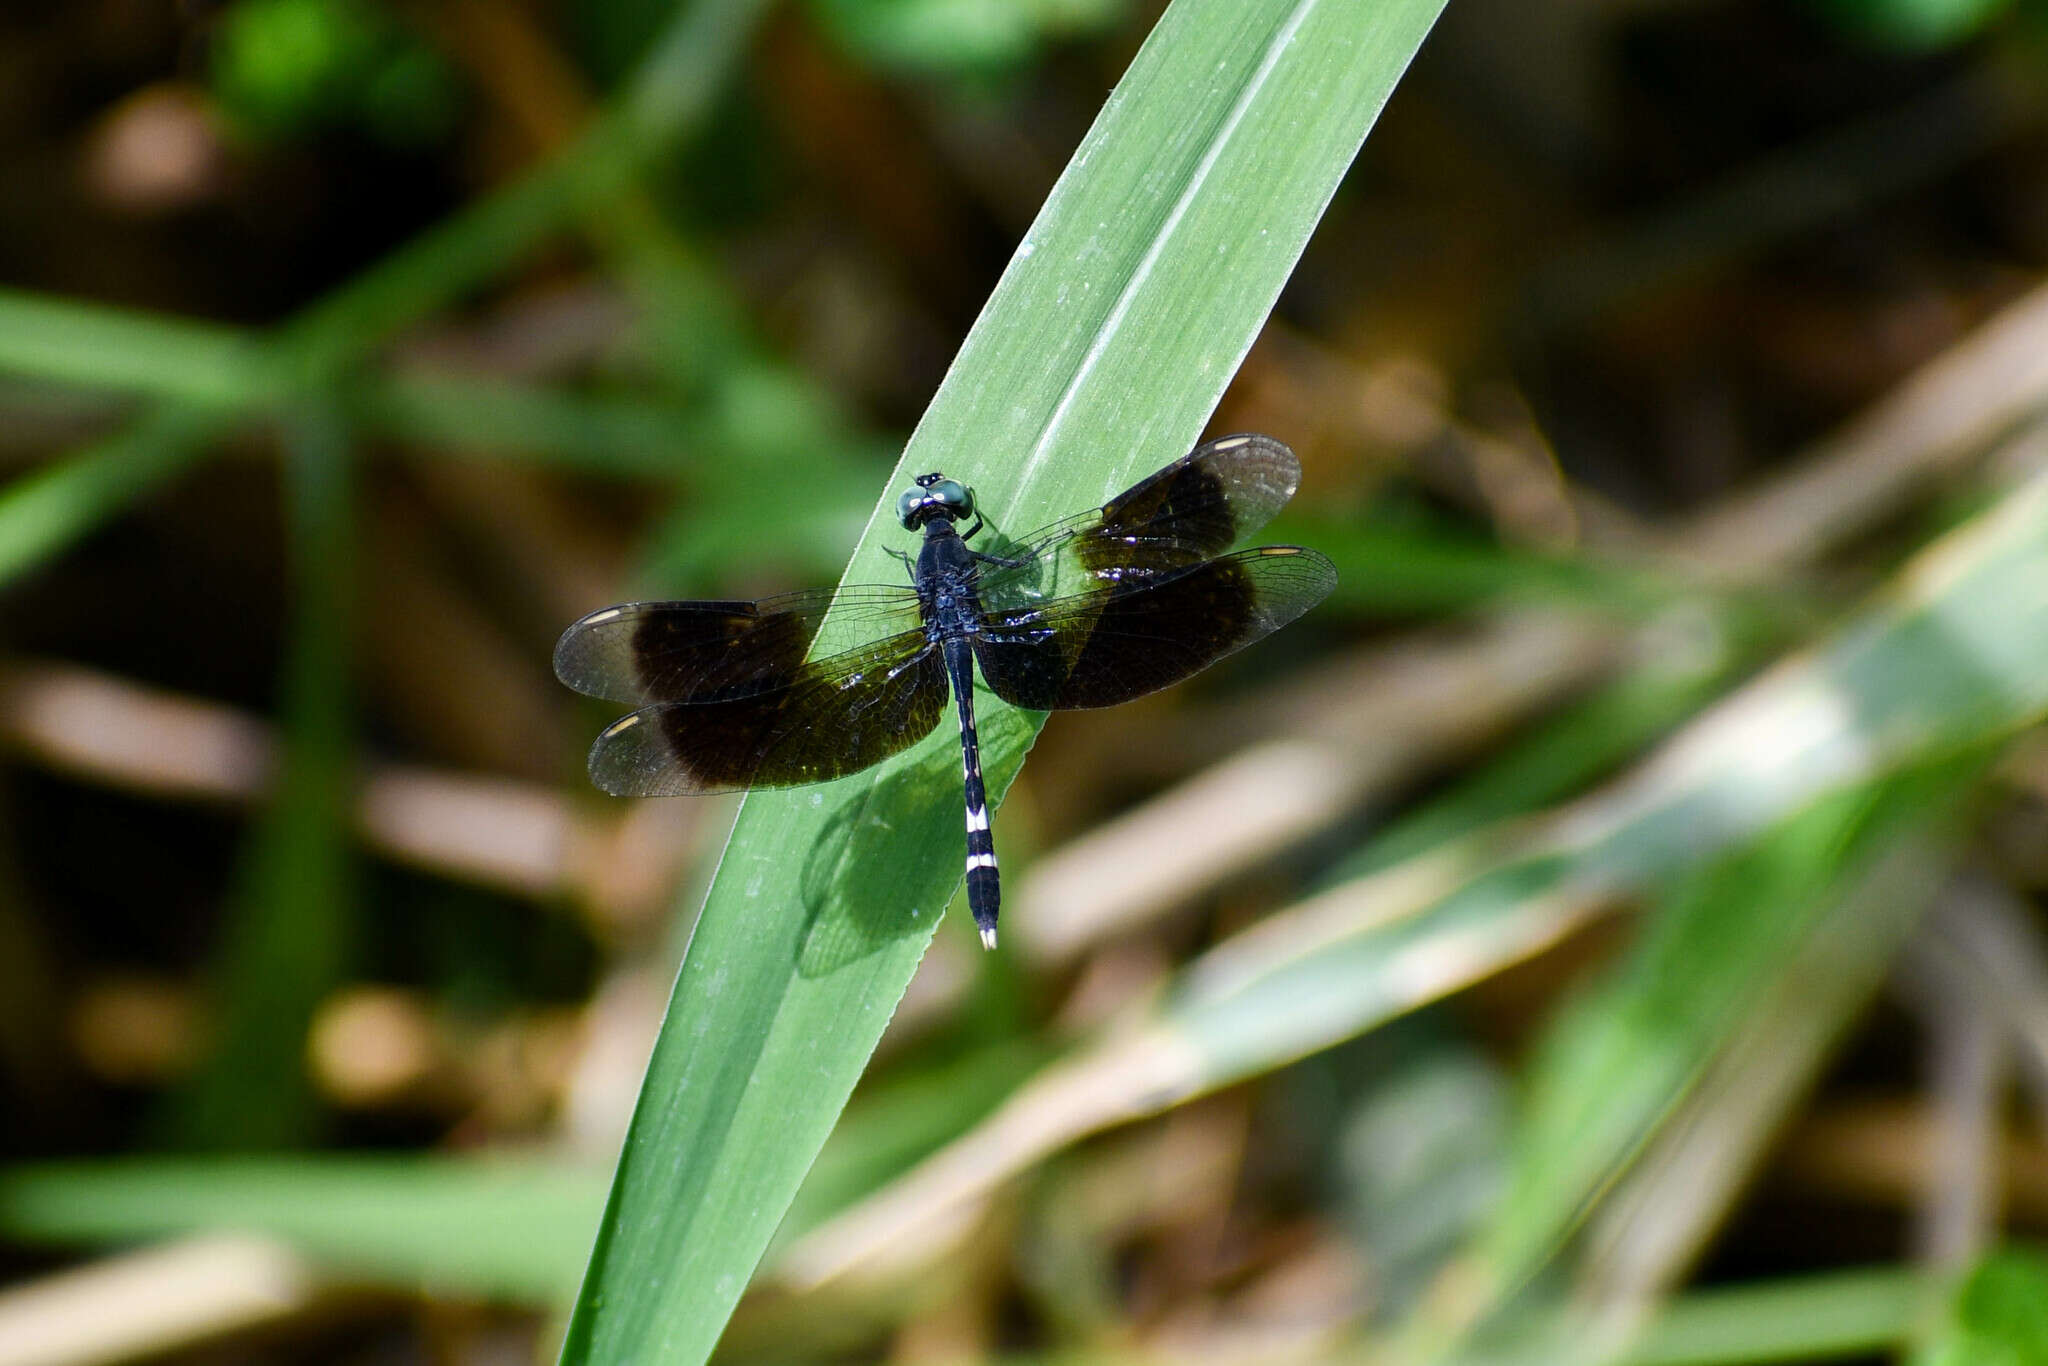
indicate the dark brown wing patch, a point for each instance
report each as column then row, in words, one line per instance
column 643, row 652
column 1191, row 511
column 1201, row 504
column 832, row 717
column 1100, row 649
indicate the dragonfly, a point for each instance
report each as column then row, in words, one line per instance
column 1103, row 607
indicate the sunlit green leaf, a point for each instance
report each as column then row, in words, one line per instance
column 1108, row 341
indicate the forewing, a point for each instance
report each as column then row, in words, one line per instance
column 831, row 717
column 1192, row 510
column 644, row 652
column 1101, row 648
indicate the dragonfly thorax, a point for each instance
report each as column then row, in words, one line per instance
column 945, row 578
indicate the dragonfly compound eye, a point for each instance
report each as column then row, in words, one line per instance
column 956, row 499
column 934, row 497
column 909, row 506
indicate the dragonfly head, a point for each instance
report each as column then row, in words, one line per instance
column 935, row 496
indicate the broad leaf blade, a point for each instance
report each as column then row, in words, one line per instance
column 1101, row 354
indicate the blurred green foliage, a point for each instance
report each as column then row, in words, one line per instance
column 285, row 68
column 960, row 37
column 289, row 940
column 1912, row 25
column 1997, row 1317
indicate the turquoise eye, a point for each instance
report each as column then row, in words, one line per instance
column 907, row 507
column 934, row 497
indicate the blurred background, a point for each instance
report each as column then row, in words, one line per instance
column 1665, row 373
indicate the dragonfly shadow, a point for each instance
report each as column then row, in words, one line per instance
column 890, row 828
column 1026, row 578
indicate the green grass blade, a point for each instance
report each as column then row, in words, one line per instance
column 92, row 345
column 1103, row 350
column 760, row 415
column 520, row 423
column 286, row 941
column 1563, row 754
column 490, row 1225
column 1652, row 1096
column 1798, row 1318
column 1831, row 1316
column 42, row 512
column 1430, row 569
column 496, row 1227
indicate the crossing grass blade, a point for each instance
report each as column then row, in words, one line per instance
column 1833, row 1315
column 286, row 943
column 1652, row 1098
column 67, row 341
column 485, row 1225
column 42, row 512
column 494, row 1227
column 1100, row 356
